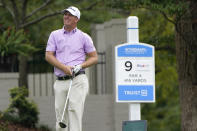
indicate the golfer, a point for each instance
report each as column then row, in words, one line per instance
column 70, row 51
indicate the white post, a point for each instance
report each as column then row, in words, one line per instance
column 132, row 30
column 133, row 38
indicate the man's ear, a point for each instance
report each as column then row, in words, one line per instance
column 76, row 20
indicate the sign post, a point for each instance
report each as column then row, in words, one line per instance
column 135, row 71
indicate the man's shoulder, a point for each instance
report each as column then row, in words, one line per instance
column 83, row 33
column 56, row 31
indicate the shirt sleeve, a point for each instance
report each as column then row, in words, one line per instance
column 51, row 46
column 88, row 46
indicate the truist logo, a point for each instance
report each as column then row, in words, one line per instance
column 142, row 65
column 135, row 50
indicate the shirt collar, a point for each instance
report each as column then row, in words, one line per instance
column 69, row 32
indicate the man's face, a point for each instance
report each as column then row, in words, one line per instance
column 69, row 19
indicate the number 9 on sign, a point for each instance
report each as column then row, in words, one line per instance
column 128, row 65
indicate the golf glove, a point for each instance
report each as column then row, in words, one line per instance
column 77, row 68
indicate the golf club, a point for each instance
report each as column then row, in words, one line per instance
column 61, row 123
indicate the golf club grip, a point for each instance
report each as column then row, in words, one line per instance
column 66, row 99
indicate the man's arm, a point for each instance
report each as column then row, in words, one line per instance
column 50, row 57
column 91, row 60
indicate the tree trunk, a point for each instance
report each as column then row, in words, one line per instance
column 186, row 52
column 23, row 71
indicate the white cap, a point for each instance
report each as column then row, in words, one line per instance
column 73, row 10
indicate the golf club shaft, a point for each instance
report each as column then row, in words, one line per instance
column 66, row 99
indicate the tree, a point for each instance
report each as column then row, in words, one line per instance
column 25, row 13
column 13, row 42
column 183, row 15
column 18, row 11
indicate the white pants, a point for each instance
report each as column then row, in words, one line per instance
column 74, row 111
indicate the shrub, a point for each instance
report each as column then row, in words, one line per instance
column 21, row 110
column 3, row 125
column 44, row 128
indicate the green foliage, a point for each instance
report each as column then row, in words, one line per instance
column 171, row 8
column 156, row 30
column 21, row 110
column 3, row 125
column 44, row 128
column 15, row 42
column 95, row 11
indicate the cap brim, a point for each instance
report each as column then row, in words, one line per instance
column 69, row 10
column 63, row 11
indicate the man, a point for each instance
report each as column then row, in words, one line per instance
column 66, row 50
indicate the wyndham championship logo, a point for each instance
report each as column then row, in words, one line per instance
column 137, row 50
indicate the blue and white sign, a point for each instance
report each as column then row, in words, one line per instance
column 135, row 73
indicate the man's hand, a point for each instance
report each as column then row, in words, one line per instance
column 68, row 70
column 77, row 68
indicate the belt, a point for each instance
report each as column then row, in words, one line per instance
column 69, row 77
